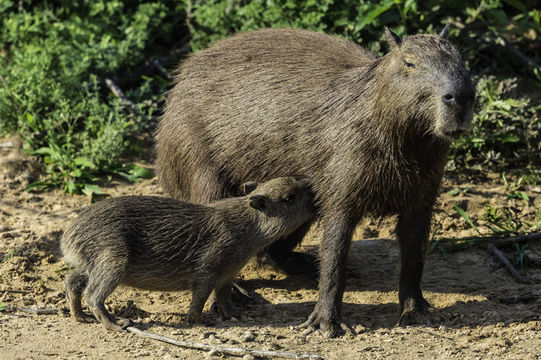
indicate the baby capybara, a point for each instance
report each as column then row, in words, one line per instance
column 371, row 132
column 157, row 243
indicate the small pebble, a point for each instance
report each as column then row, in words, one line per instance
column 248, row 357
column 247, row 336
column 212, row 353
column 207, row 334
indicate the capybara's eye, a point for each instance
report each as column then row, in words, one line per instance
column 410, row 65
column 289, row 198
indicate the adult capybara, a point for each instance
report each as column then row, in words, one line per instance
column 158, row 243
column 372, row 133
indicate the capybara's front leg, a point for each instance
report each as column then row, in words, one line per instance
column 413, row 229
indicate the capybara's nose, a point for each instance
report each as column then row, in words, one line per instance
column 449, row 99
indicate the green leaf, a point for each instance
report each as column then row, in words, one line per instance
column 453, row 192
column 520, row 195
column 43, row 151
column 39, row 185
column 142, row 172
column 509, row 138
column 462, row 213
column 89, row 190
column 83, row 162
column 71, row 187
column 129, row 177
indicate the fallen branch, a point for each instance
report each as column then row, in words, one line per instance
column 517, row 239
column 507, row 264
column 162, row 70
column 120, row 94
column 39, row 311
column 222, row 349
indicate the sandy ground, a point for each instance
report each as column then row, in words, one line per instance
column 479, row 310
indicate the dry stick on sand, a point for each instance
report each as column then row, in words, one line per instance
column 517, row 239
column 192, row 345
column 222, row 349
column 39, row 311
column 507, row 264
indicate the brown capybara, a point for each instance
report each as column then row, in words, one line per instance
column 372, row 133
column 157, row 243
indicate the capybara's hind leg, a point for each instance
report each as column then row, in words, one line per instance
column 99, row 287
column 223, row 297
column 200, row 294
column 75, row 284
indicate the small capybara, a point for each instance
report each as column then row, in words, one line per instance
column 371, row 132
column 157, row 243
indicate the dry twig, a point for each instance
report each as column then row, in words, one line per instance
column 222, row 349
column 39, row 311
column 120, row 94
column 517, row 239
column 507, row 264
column 162, row 70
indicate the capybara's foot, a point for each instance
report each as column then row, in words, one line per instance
column 414, row 312
column 124, row 323
column 83, row 318
column 329, row 327
column 193, row 317
column 117, row 325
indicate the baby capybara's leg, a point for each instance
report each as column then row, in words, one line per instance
column 100, row 285
column 75, row 284
column 200, row 294
column 223, row 298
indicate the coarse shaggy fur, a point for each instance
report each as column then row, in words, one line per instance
column 371, row 133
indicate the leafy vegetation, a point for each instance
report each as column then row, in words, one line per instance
column 55, row 57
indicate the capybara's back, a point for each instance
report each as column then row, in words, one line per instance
column 253, row 96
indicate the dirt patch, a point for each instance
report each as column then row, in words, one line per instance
column 480, row 311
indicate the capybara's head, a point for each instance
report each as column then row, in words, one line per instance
column 285, row 202
column 428, row 83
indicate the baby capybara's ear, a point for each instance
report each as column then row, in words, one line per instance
column 258, row 202
column 248, row 187
column 393, row 39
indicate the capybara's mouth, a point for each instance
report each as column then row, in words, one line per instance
column 455, row 133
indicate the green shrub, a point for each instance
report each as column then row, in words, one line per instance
column 54, row 57
column 53, row 65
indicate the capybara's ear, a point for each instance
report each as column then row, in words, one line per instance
column 248, row 187
column 445, row 31
column 258, row 202
column 393, row 39
column 304, row 181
